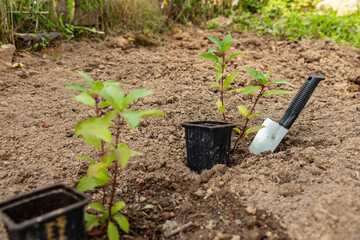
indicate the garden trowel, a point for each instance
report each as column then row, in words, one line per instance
column 268, row 138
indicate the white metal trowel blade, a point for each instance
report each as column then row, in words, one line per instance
column 268, row 138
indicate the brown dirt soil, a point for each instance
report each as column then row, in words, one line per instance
column 307, row 189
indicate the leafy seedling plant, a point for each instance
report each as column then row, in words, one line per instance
column 257, row 92
column 219, row 57
column 98, row 131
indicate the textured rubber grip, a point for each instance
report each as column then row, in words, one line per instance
column 299, row 101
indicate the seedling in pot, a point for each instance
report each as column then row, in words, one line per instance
column 257, row 92
column 96, row 131
column 221, row 60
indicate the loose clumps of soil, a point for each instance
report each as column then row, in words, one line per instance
column 309, row 188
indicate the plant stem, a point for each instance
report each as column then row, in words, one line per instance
column 222, row 86
column 102, row 150
column 243, row 131
column 114, row 180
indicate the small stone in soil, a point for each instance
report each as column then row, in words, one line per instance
column 69, row 135
column 6, row 163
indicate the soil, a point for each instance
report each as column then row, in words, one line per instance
column 309, row 188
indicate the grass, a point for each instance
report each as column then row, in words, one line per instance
column 298, row 24
column 134, row 15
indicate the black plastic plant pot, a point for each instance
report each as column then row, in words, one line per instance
column 207, row 143
column 51, row 213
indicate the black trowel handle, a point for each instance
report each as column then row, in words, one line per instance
column 299, row 101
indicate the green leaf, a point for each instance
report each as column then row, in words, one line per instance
column 235, row 55
column 226, row 47
column 86, row 159
column 113, row 95
column 93, row 130
column 88, row 79
column 249, row 89
column 226, row 43
column 85, row 98
column 108, row 159
column 211, row 50
column 220, row 106
column 219, row 75
column 243, row 110
column 94, row 168
column 123, row 222
column 102, row 174
column 237, row 129
column 216, row 42
column 104, row 217
column 91, row 220
column 86, row 184
column 97, row 206
column 257, row 75
column 236, row 90
column 112, row 83
column 117, row 207
column 252, row 72
column 98, row 86
column 254, row 114
column 132, row 118
column 253, row 129
column 280, row 82
column 226, row 39
column 152, row 112
column 214, row 85
column 149, row 206
column 110, row 116
column 218, row 66
column 229, row 79
column 104, row 104
column 77, row 87
column 267, row 75
column 122, row 154
column 112, row 232
column 209, row 56
column 275, row 92
column 139, row 93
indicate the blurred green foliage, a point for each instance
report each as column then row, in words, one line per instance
column 295, row 20
column 290, row 19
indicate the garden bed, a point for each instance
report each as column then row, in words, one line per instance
column 308, row 189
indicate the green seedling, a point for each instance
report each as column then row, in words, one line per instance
column 219, row 56
column 257, row 92
column 105, row 130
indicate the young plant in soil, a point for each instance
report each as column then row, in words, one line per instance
column 98, row 131
column 257, row 92
column 221, row 60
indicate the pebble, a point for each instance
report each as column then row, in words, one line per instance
column 238, row 221
column 169, row 225
column 6, row 163
column 211, row 224
column 200, row 193
column 69, row 135
column 303, row 178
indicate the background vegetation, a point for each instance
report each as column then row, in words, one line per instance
column 290, row 19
